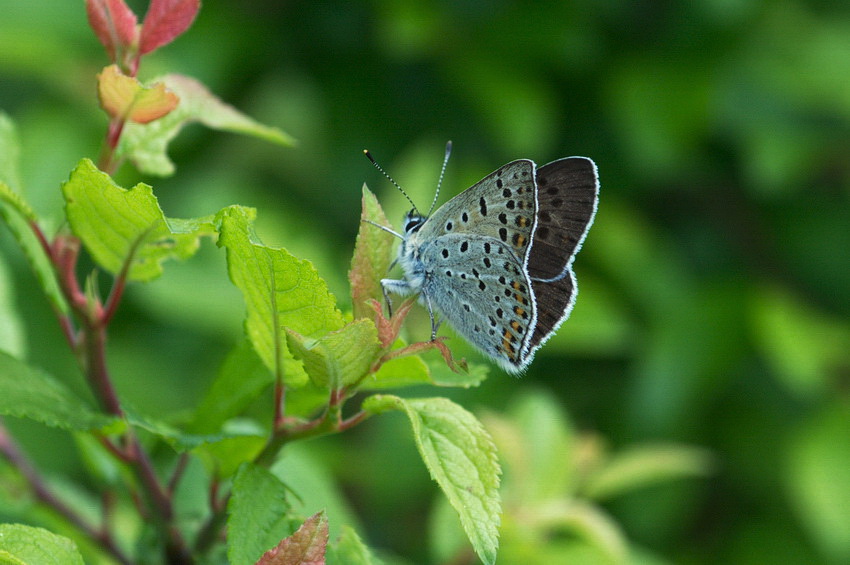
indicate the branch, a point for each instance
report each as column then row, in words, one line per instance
column 43, row 493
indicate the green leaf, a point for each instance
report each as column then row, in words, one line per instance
column 413, row 370
column 257, row 514
column 306, row 546
column 21, row 544
column 280, row 291
column 350, row 550
column 18, row 215
column 113, row 223
column 338, row 358
column 592, row 524
column 182, row 441
column 10, row 153
column 28, row 392
column 222, row 458
column 221, row 452
column 241, row 378
column 314, row 486
column 804, row 346
column 818, row 481
column 461, row 457
column 146, row 144
column 398, row 373
column 646, row 465
column 372, row 257
column 536, row 445
column 13, row 337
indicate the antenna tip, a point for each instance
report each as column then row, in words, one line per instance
column 369, row 155
column 448, row 147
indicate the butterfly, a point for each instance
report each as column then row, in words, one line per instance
column 496, row 260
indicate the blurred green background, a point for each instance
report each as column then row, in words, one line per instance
column 715, row 282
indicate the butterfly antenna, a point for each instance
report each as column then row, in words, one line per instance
column 442, row 173
column 385, row 228
column 383, row 172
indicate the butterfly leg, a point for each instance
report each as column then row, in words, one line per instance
column 397, row 287
column 435, row 324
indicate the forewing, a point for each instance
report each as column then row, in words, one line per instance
column 502, row 206
column 567, row 193
column 481, row 288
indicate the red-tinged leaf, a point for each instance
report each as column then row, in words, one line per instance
column 165, row 20
column 114, row 23
column 307, row 546
column 389, row 328
column 153, row 103
column 371, row 259
column 125, row 97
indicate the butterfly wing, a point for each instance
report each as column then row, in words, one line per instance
column 501, row 206
column 479, row 285
column 567, row 194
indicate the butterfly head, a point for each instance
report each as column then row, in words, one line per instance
column 413, row 220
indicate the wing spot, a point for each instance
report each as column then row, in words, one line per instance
column 519, row 240
column 464, row 217
column 481, row 285
column 544, row 216
column 464, row 246
column 557, row 203
column 521, row 221
column 503, row 218
column 503, row 234
column 542, row 232
column 499, row 183
column 449, row 226
column 552, row 190
column 487, row 262
column 510, row 204
column 482, row 205
column 445, row 253
column 466, row 307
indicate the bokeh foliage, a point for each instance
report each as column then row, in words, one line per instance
column 715, row 283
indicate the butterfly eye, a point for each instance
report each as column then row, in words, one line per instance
column 413, row 223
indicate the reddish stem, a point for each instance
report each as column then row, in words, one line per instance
column 182, row 462
column 43, row 493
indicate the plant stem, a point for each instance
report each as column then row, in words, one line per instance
column 94, row 320
column 98, row 374
column 43, row 493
